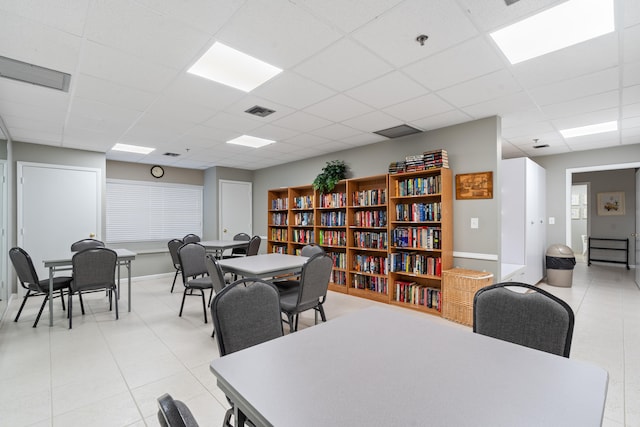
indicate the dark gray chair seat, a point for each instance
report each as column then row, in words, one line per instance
column 534, row 319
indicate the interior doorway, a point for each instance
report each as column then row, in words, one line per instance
column 580, row 220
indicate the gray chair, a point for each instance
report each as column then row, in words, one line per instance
column 254, row 246
column 174, row 413
column 28, row 277
column 191, row 238
column 217, row 278
column 86, row 244
column 245, row 313
column 311, row 293
column 94, row 269
column 238, row 252
column 293, row 281
column 173, row 246
column 535, row 319
column 194, row 273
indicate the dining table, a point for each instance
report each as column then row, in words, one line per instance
column 64, row 263
column 263, row 265
column 219, row 246
column 382, row 366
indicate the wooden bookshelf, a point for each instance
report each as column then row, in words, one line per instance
column 420, row 237
column 355, row 225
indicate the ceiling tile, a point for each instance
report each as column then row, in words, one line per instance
column 343, row 65
column 293, row 90
column 65, row 15
column 587, row 104
column 338, row 108
column 111, row 93
column 481, row 89
column 348, row 15
column 364, row 139
column 206, row 93
column 302, row 121
column 393, row 34
column 373, row 121
column 336, row 131
column 233, row 122
column 169, row 109
column 528, row 129
column 631, row 95
column 441, row 120
column 418, row 108
column 590, row 84
column 497, row 107
column 631, row 14
column 631, row 74
column 389, row 89
column 490, row 15
column 588, row 118
column 468, row 60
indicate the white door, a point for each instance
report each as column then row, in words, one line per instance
column 235, row 209
column 56, row 206
column 637, row 233
column 4, row 286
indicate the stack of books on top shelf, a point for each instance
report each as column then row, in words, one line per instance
column 397, row 167
column 436, row 159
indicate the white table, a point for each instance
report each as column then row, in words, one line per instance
column 384, row 367
column 264, row 265
column 219, row 246
column 125, row 257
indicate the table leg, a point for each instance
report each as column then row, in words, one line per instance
column 129, row 282
column 50, row 296
column 118, row 268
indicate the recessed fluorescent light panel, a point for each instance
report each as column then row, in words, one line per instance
column 569, row 23
column 132, row 148
column 250, row 141
column 231, row 67
column 590, row 130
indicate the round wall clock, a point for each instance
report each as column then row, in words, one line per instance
column 157, row 171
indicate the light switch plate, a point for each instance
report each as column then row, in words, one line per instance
column 474, row 223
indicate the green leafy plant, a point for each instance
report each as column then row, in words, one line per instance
column 333, row 172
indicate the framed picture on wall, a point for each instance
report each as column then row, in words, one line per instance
column 611, row 203
column 474, row 186
column 575, row 213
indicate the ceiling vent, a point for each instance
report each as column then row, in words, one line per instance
column 259, row 111
column 171, row 154
column 398, row 131
column 33, row 74
column 541, row 146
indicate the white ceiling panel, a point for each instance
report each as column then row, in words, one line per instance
column 349, row 68
column 393, row 34
column 468, row 60
column 277, row 31
column 392, row 88
column 343, row 65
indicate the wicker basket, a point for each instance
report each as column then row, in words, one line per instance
column 459, row 286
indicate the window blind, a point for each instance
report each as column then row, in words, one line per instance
column 140, row 211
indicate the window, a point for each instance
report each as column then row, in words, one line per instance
column 143, row 211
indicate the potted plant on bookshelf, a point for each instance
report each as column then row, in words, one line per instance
column 333, row 172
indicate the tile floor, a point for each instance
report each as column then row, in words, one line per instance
column 109, row 373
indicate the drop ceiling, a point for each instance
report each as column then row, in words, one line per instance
column 350, row 68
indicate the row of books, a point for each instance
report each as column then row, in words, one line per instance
column 419, row 212
column 278, row 249
column 280, row 204
column 338, row 278
column 413, row 293
column 372, row 283
column 419, row 162
column 371, row 264
column 333, row 219
column 370, row 197
column 373, row 218
column 303, row 236
column 417, row 237
column 371, row 240
column 408, row 262
column 279, row 218
column 333, row 200
column 339, row 259
column 303, row 218
column 332, row 238
column 419, row 186
column 279, row 234
column 303, row 202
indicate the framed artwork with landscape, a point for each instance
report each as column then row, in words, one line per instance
column 611, row 203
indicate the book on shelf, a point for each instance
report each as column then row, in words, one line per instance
column 419, row 295
column 370, row 218
column 370, row 197
column 333, row 200
column 417, row 237
column 419, row 162
column 371, row 283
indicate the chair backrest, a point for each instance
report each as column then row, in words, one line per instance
column 173, row 246
column 314, row 280
column 254, row 246
column 83, row 244
column 94, row 268
column 174, row 413
column 311, row 249
column 189, row 238
column 246, row 313
column 23, row 265
column 191, row 256
column 240, row 237
column 534, row 319
column 215, row 273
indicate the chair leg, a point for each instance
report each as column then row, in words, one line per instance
column 204, row 306
column 297, row 317
column 70, row 313
column 24, row 301
column 213, row 333
column 175, row 276
column 291, row 324
column 117, row 292
column 184, row 295
column 62, row 298
column 44, row 302
column 227, row 418
column 81, row 302
column 210, row 298
column 322, row 315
